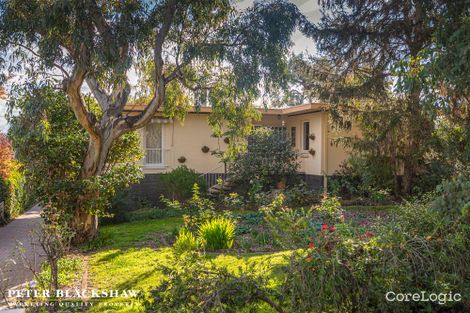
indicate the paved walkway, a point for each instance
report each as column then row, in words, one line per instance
column 18, row 232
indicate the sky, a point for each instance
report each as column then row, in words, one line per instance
column 309, row 8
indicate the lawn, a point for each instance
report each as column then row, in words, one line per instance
column 127, row 256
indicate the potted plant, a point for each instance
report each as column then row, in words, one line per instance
column 312, row 152
column 227, row 140
column 181, row 159
column 205, row 149
column 311, row 136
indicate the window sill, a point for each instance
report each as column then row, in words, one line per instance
column 154, row 166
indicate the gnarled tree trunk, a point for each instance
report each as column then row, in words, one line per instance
column 84, row 223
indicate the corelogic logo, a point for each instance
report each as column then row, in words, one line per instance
column 423, row 296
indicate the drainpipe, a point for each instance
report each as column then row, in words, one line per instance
column 324, row 161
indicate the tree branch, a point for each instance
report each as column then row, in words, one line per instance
column 136, row 122
column 100, row 95
column 58, row 66
column 72, row 87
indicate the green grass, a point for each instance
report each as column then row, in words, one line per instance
column 126, row 234
column 125, row 259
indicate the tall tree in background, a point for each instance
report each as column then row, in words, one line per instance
column 368, row 48
column 192, row 48
column 444, row 77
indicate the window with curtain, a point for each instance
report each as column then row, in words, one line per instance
column 306, row 133
column 153, row 143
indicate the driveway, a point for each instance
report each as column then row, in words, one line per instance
column 18, row 233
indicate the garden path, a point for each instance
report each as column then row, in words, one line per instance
column 18, row 233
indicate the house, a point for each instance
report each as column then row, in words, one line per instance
column 169, row 143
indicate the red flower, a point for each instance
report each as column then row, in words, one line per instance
column 333, row 228
column 369, row 234
column 324, row 227
column 311, row 245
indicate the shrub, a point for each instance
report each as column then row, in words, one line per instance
column 185, row 241
column 122, row 207
column 179, row 182
column 269, row 159
column 200, row 210
column 217, row 233
column 300, row 195
column 418, row 250
column 454, row 197
column 14, row 194
column 330, row 211
column 288, row 227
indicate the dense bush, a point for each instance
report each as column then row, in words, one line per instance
column 299, row 195
column 364, row 178
column 268, row 160
column 293, row 228
column 179, row 182
column 14, row 194
column 454, row 197
column 218, row 233
column 123, row 206
column 418, row 250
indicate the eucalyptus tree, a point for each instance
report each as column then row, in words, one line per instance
column 186, row 49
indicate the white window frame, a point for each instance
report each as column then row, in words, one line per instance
column 162, row 150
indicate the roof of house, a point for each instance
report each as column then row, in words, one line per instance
column 286, row 111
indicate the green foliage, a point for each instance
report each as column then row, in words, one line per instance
column 300, row 195
column 195, row 285
column 199, row 209
column 288, row 226
column 363, row 177
column 186, row 241
column 15, row 193
column 244, row 51
column 269, row 159
column 419, row 250
column 69, row 270
column 408, row 96
column 233, row 201
column 453, row 197
column 218, row 233
column 52, row 146
column 179, row 183
column 330, row 211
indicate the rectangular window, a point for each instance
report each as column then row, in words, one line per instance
column 280, row 131
column 153, row 144
column 305, row 135
column 292, row 135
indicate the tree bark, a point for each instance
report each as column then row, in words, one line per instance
column 85, row 224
